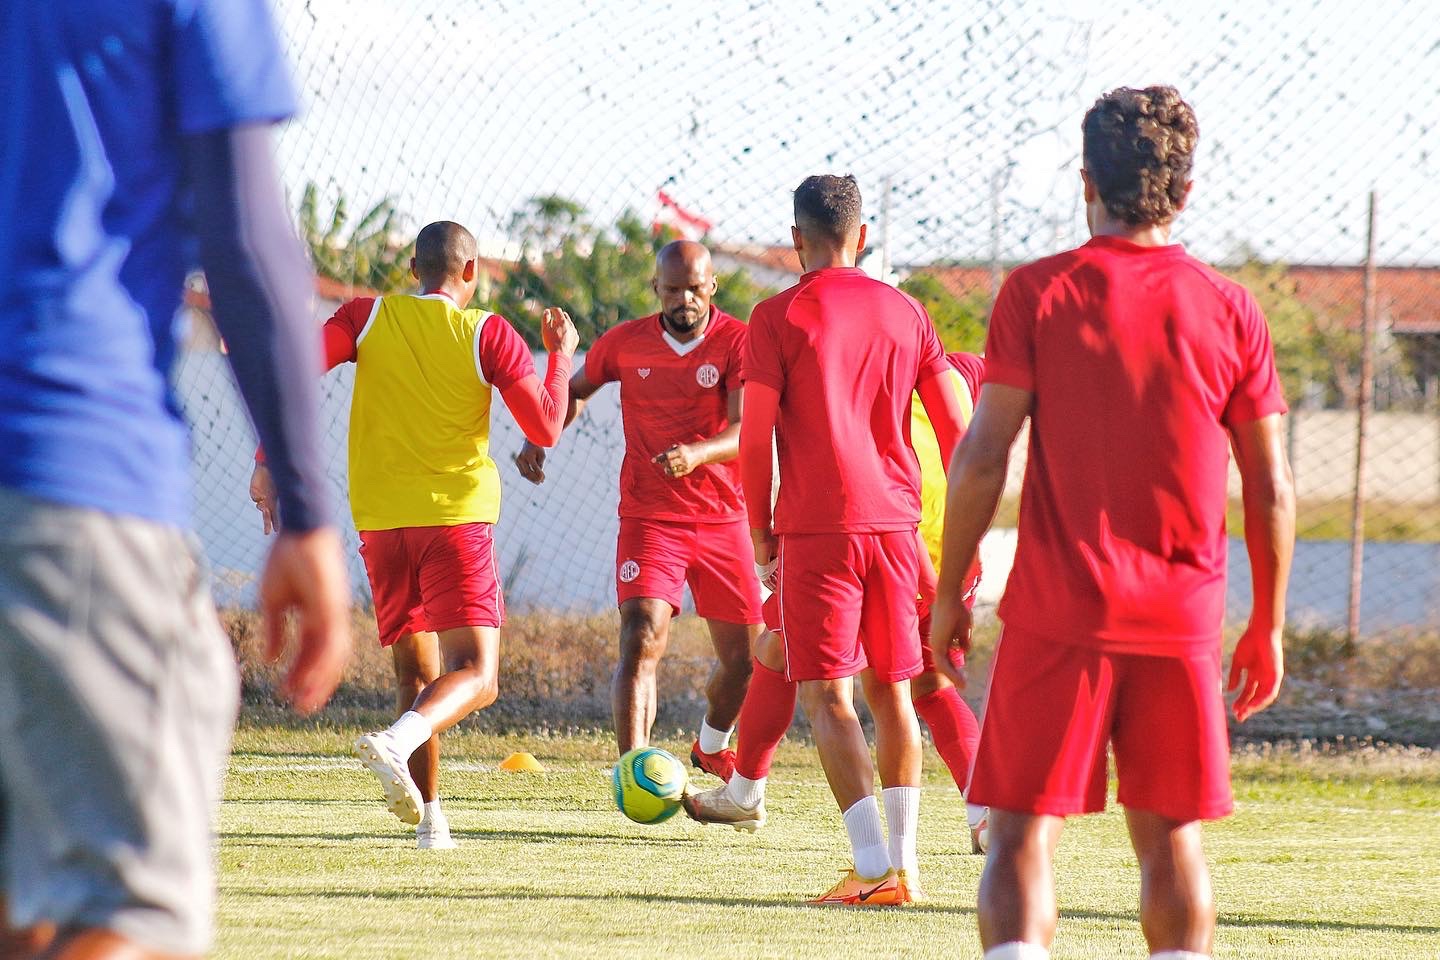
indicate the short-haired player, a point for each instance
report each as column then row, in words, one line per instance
column 830, row 367
column 682, row 515
column 425, row 496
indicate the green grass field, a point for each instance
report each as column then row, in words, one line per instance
column 1331, row 855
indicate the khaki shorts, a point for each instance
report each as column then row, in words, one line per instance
column 118, row 694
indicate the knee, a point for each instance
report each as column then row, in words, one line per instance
column 488, row 689
column 824, row 701
column 926, row 684
column 642, row 640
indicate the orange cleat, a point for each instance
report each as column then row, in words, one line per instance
column 854, row 890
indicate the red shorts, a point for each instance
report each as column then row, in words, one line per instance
column 427, row 579
column 847, row 601
column 657, row 558
column 1052, row 707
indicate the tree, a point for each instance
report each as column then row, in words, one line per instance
column 600, row 276
column 1309, row 349
column 366, row 255
column 960, row 321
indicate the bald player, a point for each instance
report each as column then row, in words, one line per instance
column 425, row 496
column 682, row 516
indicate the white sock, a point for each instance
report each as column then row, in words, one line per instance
column 1179, row 955
column 902, row 817
column 746, row 792
column 1015, row 950
column 712, row 740
column 432, row 814
column 867, row 838
column 409, row 732
column 974, row 813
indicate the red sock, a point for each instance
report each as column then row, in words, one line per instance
column 952, row 724
column 765, row 716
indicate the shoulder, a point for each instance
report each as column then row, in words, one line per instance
column 1232, row 294
column 773, row 309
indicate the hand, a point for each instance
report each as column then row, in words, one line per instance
column 531, row 461
column 950, row 627
column 1256, row 669
column 767, row 547
column 558, row 333
column 262, row 494
column 679, row 461
column 304, row 576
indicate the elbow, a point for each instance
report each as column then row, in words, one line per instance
column 547, row 437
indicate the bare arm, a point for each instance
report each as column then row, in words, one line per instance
column 943, row 409
column 684, row 458
column 976, row 482
column 757, row 428
column 1268, row 490
column 531, row 458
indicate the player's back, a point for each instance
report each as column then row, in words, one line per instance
column 1139, row 358
column 420, row 417
column 845, row 352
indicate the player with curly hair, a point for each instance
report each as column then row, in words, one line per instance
column 1140, row 369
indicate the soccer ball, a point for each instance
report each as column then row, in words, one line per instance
column 648, row 784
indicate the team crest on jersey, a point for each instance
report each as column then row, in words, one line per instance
column 629, row 570
column 643, row 371
column 707, row 375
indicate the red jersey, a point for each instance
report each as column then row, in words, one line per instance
column 672, row 392
column 845, row 353
column 972, row 370
column 1138, row 359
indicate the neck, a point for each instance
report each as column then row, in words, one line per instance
column 1145, row 235
column 818, row 257
column 685, row 336
column 455, row 291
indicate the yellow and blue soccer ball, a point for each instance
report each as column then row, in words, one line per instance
column 649, row 784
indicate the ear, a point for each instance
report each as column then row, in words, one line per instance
column 655, row 284
column 714, row 284
column 860, row 242
column 1091, row 194
column 796, row 239
column 413, row 272
column 468, row 273
column 1185, row 197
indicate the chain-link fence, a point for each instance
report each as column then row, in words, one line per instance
column 566, row 134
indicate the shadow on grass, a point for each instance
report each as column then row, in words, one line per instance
column 711, row 901
column 238, row 838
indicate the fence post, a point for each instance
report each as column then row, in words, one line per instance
column 1362, row 423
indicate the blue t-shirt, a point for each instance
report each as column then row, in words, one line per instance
column 95, row 244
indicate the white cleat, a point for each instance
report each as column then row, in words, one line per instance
column 377, row 751
column 715, row 806
column 434, row 836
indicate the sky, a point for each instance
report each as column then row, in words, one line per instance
column 968, row 112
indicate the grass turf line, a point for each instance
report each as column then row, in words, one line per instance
column 1330, row 856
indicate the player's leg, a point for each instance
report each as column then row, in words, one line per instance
column 1172, row 759
column 115, row 661
column 724, row 695
column 728, row 599
column 890, row 638
column 417, row 665
column 1177, row 908
column 727, row 594
column 1042, row 757
column 651, row 558
column 766, row 714
column 634, row 692
column 454, row 572
column 1017, row 889
column 953, row 727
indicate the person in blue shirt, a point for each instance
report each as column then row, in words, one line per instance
column 134, row 142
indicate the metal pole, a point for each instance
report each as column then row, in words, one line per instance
column 885, row 233
column 997, row 185
column 1362, row 423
